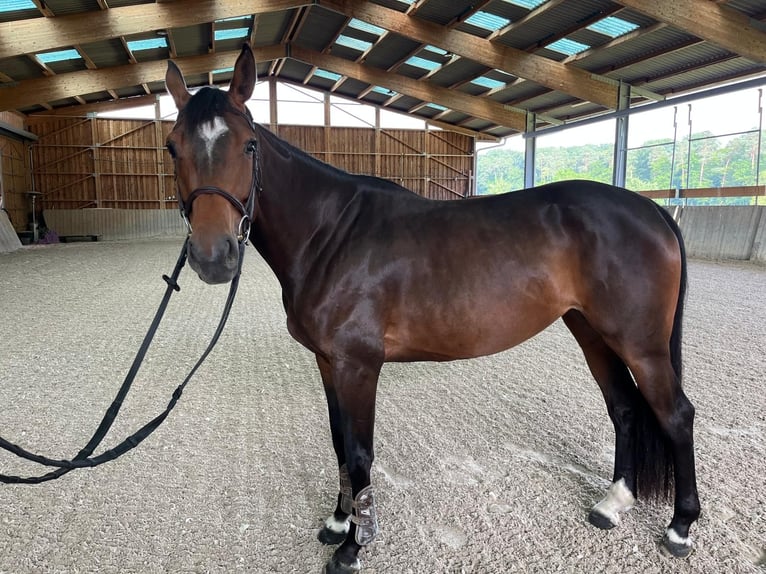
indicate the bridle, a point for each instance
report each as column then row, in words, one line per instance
column 84, row 458
column 246, row 209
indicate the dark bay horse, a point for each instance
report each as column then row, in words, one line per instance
column 371, row 272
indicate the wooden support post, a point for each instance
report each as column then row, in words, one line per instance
column 376, row 151
column 328, row 156
column 530, row 144
column 619, row 166
column 273, row 119
column 96, row 157
column 160, row 154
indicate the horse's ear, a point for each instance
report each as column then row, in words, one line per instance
column 243, row 80
column 175, row 84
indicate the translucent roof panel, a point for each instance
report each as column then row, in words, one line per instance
column 149, row 44
column 528, row 4
column 327, row 74
column 13, row 5
column 429, row 65
column 487, row 21
column 354, row 43
column 612, row 26
column 58, row 56
column 436, row 50
column 365, row 27
column 487, row 82
column 384, row 91
column 567, row 46
column 231, row 33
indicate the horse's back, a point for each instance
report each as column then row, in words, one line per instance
column 456, row 279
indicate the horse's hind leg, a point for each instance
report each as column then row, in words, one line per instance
column 661, row 388
column 621, row 396
column 336, row 526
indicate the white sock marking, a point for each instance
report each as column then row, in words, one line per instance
column 676, row 539
column 339, row 526
column 618, row 499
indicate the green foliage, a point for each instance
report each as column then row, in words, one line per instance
column 714, row 162
column 500, row 171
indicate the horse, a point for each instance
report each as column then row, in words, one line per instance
column 371, row 272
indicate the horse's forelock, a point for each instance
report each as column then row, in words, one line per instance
column 204, row 106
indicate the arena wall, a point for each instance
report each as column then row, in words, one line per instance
column 724, row 232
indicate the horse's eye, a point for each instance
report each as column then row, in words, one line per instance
column 171, row 150
column 250, row 147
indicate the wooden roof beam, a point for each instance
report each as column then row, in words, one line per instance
column 118, row 104
column 531, row 15
column 481, row 136
column 479, row 107
column 544, row 71
column 592, row 19
column 715, row 23
column 635, row 34
column 41, row 34
column 61, row 86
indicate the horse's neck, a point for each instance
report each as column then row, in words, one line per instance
column 299, row 204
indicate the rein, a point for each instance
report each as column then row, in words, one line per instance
column 83, row 459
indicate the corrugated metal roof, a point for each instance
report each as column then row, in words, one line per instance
column 622, row 44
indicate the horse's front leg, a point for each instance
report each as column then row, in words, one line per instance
column 336, row 526
column 355, row 382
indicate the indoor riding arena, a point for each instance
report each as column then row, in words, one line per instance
column 487, row 465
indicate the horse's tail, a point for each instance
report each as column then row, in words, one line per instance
column 654, row 459
column 675, row 336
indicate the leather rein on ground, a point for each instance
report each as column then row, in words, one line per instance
column 83, row 459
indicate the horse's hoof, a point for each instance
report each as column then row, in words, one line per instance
column 330, row 537
column 600, row 521
column 675, row 545
column 335, row 566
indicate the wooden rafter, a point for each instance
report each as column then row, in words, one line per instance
column 526, row 19
column 541, row 70
column 43, row 90
column 479, row 107
column 629, row 37
column 118, row 104
column 40, row 34
column 564, row 32
column 714, row 22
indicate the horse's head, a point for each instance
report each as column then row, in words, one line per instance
column 213, row 145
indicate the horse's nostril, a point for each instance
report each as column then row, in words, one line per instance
column 220, row 250
column 233, row 246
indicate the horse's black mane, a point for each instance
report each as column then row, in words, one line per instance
column 208, row 103
column 286, row 149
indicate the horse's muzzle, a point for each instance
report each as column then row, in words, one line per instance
column 215, row 261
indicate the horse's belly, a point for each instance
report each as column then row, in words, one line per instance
column 445, row 337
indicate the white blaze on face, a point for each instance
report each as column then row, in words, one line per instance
column 209, row 132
